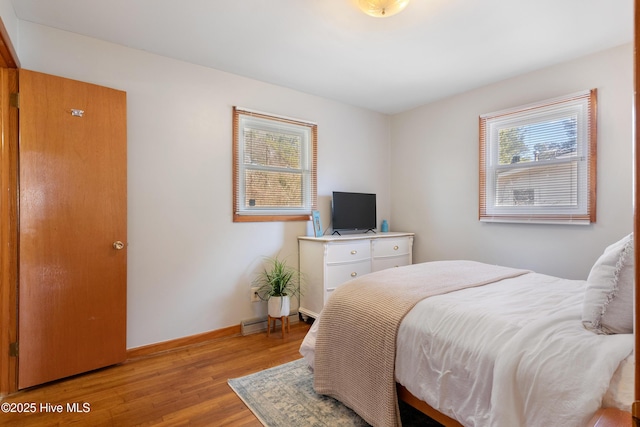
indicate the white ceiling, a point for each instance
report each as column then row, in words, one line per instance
column 433, row 49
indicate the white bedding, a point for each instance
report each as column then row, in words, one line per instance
column 474, row 355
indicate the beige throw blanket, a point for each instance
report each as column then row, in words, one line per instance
column 356, row 341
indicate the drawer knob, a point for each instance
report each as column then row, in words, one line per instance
column 353, row 252
column 354, row 274
column 395, row 248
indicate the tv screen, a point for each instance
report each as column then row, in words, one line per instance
column 353, row 211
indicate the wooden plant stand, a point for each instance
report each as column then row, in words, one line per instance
column 284, row 321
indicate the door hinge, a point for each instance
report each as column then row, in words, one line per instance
column 13, row 349
column 14, row 100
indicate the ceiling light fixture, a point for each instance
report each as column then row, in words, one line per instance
column 382, row 8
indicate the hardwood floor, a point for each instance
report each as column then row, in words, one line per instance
column 187, row 386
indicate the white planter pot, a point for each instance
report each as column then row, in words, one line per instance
column 279, row 306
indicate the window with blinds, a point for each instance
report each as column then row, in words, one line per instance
column 538, row 162
column 274, row 167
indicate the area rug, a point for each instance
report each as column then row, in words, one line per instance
column 283, row 396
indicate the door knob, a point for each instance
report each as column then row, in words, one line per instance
column 118, row 245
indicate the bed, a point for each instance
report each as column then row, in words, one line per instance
column 478, row 344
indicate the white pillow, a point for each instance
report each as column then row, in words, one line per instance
column 608, row 300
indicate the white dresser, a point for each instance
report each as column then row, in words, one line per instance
column 329, row 261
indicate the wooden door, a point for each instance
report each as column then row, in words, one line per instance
column 72, row 181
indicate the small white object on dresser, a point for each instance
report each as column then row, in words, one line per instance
column 329, row 261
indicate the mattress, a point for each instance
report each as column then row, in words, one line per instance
column 512, row 352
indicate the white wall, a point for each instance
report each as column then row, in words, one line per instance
column 434, row 171
column 189, row 266
column 10, row 21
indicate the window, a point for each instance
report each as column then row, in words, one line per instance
column 538, row 162
column 274, row 169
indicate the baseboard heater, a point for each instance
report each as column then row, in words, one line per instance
column 259, row 324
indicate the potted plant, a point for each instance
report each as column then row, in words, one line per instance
column 277, row 283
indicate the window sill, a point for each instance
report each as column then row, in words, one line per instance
column 270, row 218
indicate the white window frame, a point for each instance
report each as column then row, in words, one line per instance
column 580, row 106
column 245, row 119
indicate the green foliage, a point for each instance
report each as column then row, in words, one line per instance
column 511, row 145
column 278, row 279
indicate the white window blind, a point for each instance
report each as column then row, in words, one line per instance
column 538, row 162
column 274, row 167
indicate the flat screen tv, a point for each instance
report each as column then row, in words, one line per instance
column 353, row 211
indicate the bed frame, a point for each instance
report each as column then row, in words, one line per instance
column 608, row 417
column 407, row 397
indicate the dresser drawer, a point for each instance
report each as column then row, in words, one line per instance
column 390, row 262
column 341, row 273
column 391, row 247
column 348, row 251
